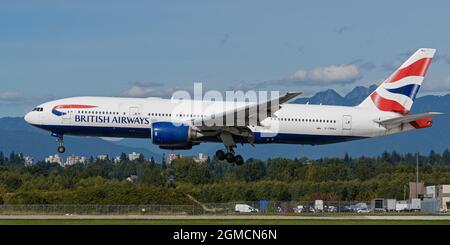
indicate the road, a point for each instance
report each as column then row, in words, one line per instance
column 228, row 217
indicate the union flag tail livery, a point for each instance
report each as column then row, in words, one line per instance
column 181, row 125
column 398, row 91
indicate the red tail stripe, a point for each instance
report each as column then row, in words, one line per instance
column 386, row 104
column 418, row 68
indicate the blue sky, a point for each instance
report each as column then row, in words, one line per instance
column 55, row 49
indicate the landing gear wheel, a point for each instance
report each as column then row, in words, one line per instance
column 239, row 160
column 61, row 149
column 220, row 155
column 60, row 140
column 229, row 157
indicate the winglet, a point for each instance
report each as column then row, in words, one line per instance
column 288, row 96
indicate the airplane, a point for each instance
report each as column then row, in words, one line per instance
column 385, row 111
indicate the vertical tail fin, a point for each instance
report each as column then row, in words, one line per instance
column 397, row 93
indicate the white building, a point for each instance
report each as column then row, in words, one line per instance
column 28, row 160
column 102, row 157
column 444, row 194
column 54, row 159
column 71, row 160
column 201, row 158
column 134, row 156
column 132, row 178
column 117, row 159
column 172, row 156
column 441, row 192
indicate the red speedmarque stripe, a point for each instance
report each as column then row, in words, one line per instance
column 418, row 68
column 74, row 106
column 386, row 104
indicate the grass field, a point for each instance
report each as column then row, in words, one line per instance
column 216, row 222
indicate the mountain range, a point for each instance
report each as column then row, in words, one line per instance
column 16, row 135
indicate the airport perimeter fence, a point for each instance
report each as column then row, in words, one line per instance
column 259, row 207
column 255, row 207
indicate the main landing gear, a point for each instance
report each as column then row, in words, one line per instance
column 229, row 143
column 229, row 157
column 60, row 140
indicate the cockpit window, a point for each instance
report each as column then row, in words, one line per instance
column 38, row 109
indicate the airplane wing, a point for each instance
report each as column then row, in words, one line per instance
column 396, row 121
column 236, row 120
column 246, row 115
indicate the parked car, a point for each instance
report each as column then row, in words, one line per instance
column 245, row 208
column 356, row 207
column 331, row 209
column 362, row 210
column 299, row 209
column 286, row 210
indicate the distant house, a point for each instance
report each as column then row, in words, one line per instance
column 117, row 159
column 412, row 189
column 102, row 157
column 72, row 160
column 172, row 156
column 54, row 159
column 28, row 161
column 201, row 158
column 134, row 156
column 132, row 178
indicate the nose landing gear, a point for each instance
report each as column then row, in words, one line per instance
column 61, row 149
column 60, row 140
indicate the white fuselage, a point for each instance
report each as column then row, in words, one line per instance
column 133, row 118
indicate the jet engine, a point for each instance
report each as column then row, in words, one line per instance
column 168, row 135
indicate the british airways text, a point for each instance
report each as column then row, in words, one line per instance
column 108, row 119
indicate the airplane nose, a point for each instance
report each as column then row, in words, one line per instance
column 30, row 118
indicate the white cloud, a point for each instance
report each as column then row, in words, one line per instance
column 333, row 74
column 145, row 83
column 447, row 56
column 148, row 89
column 340, row 30
column 10, row 96
column 441, row 86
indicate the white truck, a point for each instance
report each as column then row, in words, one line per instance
column 245, row 208
column 318, row 205
column 415, row 205
column 391, row 205
column 402, row 206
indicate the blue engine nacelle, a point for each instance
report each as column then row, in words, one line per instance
column 169, row 136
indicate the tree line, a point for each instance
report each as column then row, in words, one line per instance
column 281, row 179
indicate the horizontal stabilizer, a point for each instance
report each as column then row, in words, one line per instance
column 396, row 121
